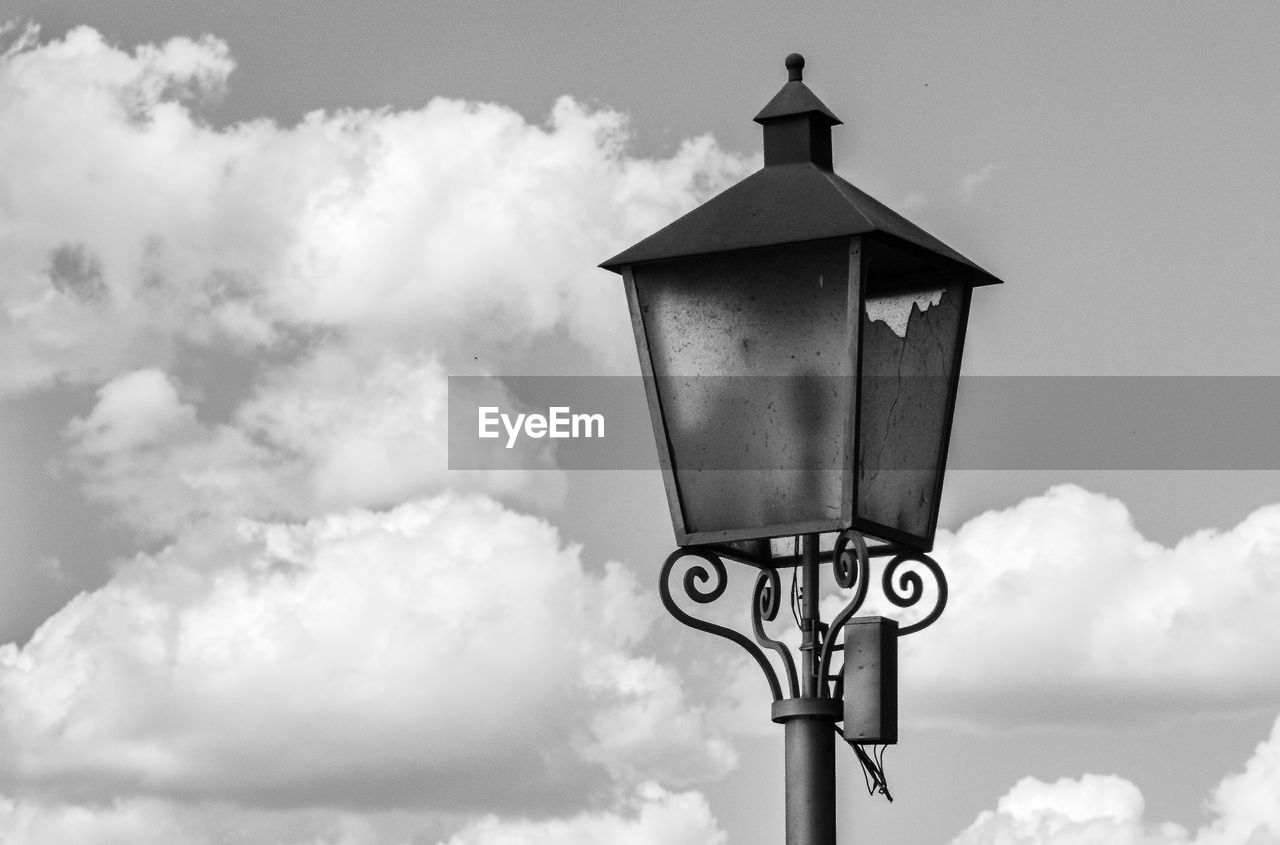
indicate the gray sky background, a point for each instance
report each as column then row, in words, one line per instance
column 244, row 594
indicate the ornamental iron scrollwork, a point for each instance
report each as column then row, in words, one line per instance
column 902, row 584
column 764, row 608
column 910, row 587
column 850, row 571
column 699, row 575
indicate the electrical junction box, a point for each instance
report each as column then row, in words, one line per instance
column 871, row 681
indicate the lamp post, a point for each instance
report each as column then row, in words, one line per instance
column 800, row 345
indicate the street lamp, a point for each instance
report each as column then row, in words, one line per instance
column 800, row 345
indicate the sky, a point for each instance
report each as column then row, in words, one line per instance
column 242, row 246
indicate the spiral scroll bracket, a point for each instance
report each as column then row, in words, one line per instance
column 764, row 608
column 852, row 569
column 905, row 589
column 695, row 583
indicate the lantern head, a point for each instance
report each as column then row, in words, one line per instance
column 800, row 344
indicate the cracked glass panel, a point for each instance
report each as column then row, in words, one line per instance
column 908, row 361
column 750, row 359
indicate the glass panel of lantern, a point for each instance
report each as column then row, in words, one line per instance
column 750, row 364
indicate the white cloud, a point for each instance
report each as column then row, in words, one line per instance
column 649, row 815
column 306, row 681
column 348, row 263
column 1093, row 809
column 330, row 432
column 650, row 726
column 371, row 433
column 447, row 654
column 135, row 411
column 1060, row 611
column 130, row 227
column 1109, row 809
column 149, row 821
column 139, row 822
column 143, row 450
column 104, row 167
column 655, row 817
column 1245, row 804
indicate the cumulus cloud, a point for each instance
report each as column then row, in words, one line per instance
column 445, row 654
column 654, row 816
column 143, row 450
column 354, row 431
column 150, row 821
column 139, row 821
column 648, row 815
column 330, row 620
column 1245, row 804
column 326, row 433
column 343, row 265
column 1061, row 611
column 1110, row 809
column 135, row 411
column 131, row 227
column 1091, row 809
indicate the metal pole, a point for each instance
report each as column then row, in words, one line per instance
column 810, row 634
column 811, row 780
column 808, row 723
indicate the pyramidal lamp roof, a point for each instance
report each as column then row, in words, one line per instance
column 796, row 196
